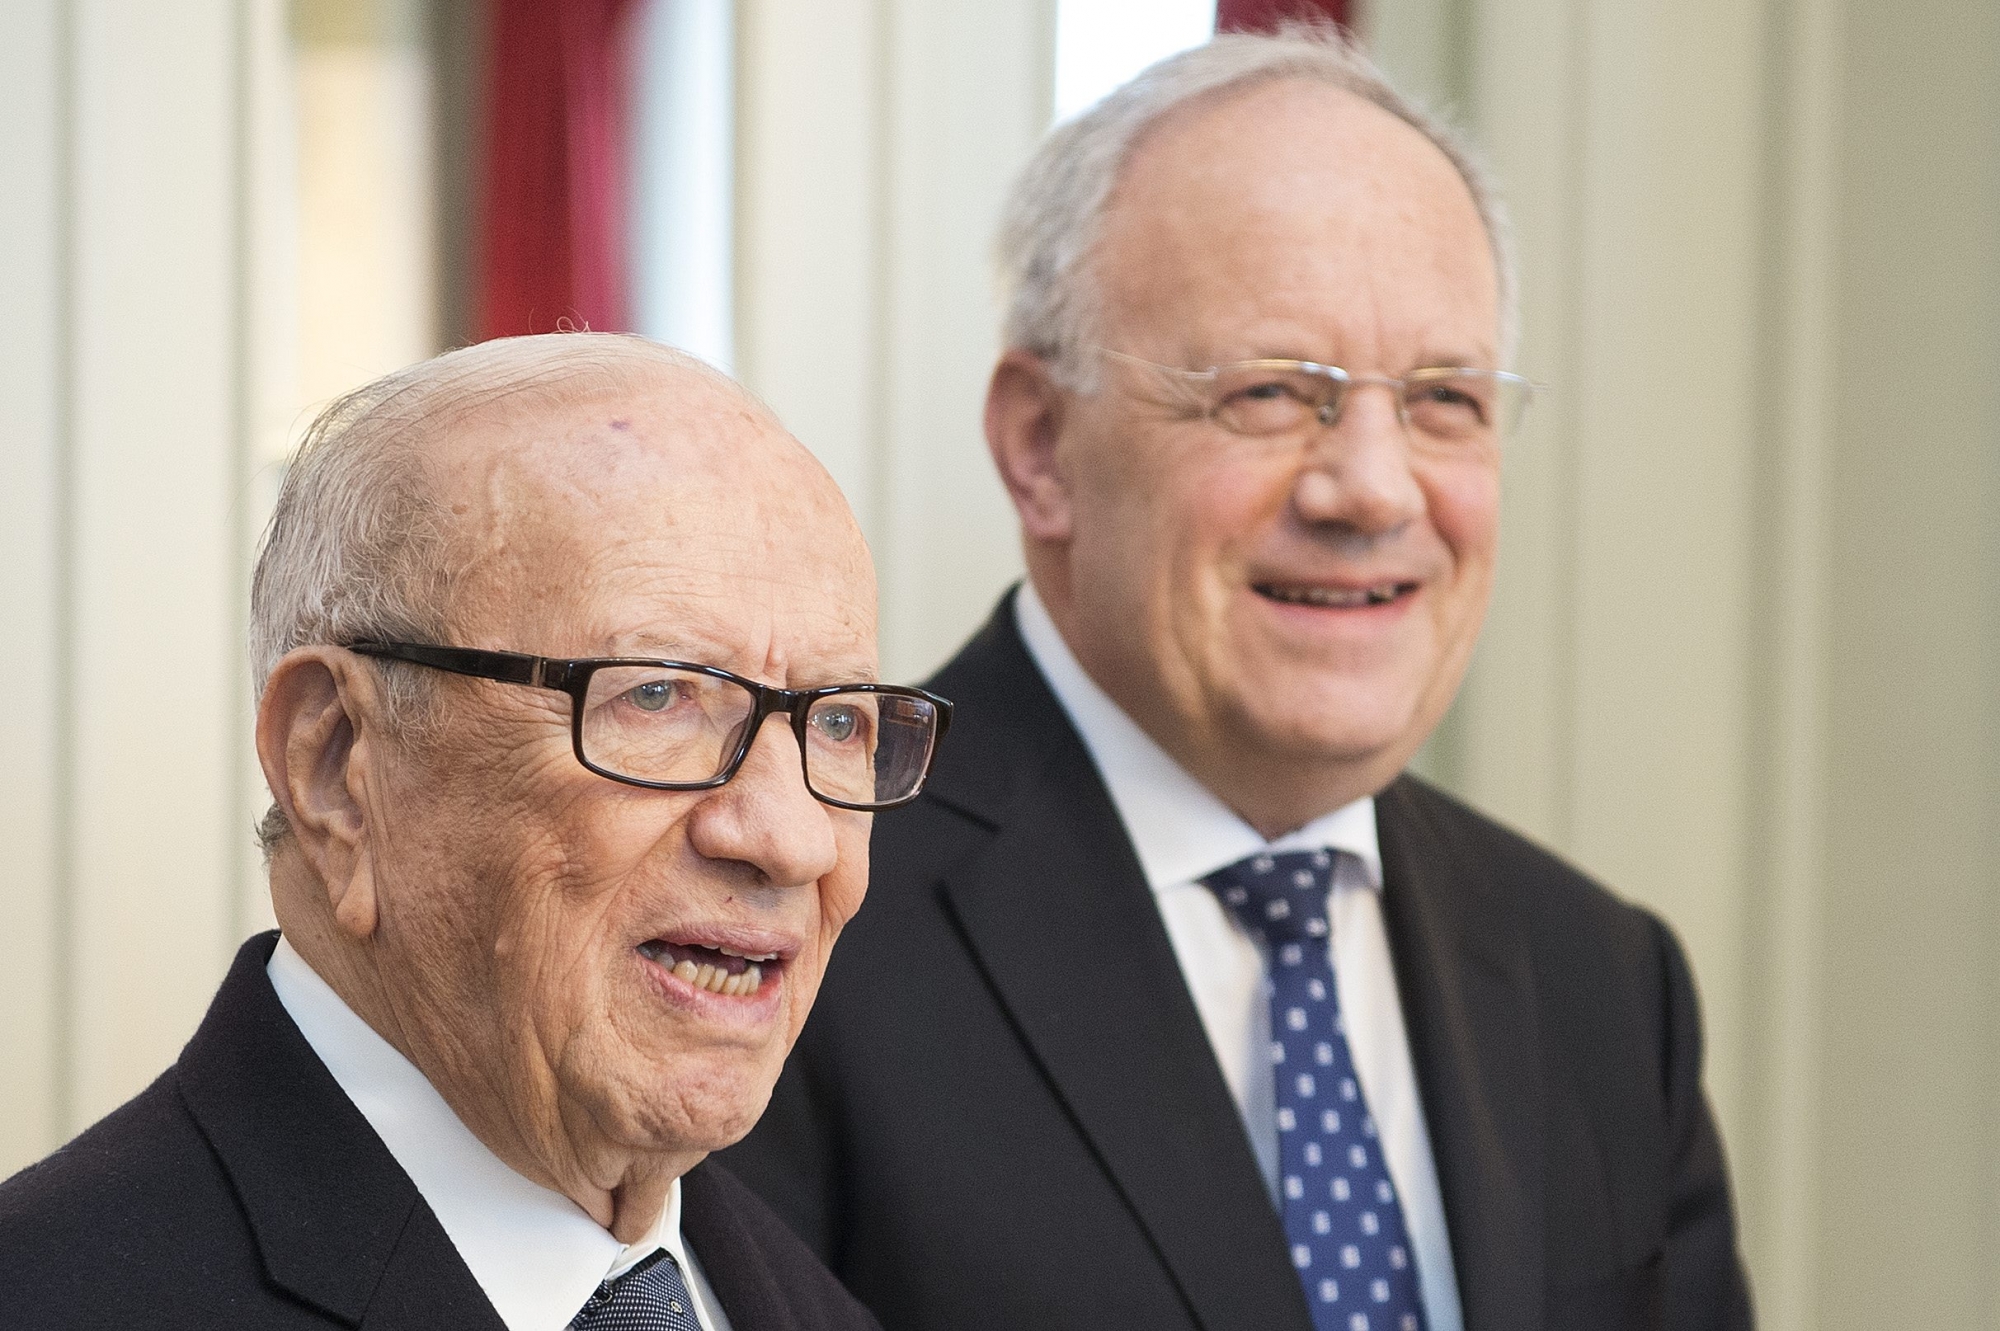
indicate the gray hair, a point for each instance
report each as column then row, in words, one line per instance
column 1056, row 209
column 358, row 545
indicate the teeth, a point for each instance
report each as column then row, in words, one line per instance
column 718, row 981
column 747, row 956
column 1343, row 597
column 713, row 978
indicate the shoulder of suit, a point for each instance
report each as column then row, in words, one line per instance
column 110, row 1190
column 150, row 1140
column 1536, row 880
column 1008, row 736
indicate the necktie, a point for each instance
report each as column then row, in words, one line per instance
column 1341, row 1214
column 650, row 1297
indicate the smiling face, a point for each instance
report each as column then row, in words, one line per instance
column 535, row 917
column 1289, row 619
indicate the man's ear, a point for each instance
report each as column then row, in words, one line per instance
column 314, row 734
column 1024, row 416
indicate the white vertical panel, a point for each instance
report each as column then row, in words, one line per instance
column 970, row 98
column 366, row 238
column 809, row 213
column 1776, row 1151
column 269, row 354
column 683, row 177
column 31, row 412
column 155, row 418
column 1100, row 44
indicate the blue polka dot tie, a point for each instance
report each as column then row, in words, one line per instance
column 1341, row 1213
column 650, row 1297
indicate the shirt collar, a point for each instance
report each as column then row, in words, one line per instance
column 537, row 1254
column 1180, row 830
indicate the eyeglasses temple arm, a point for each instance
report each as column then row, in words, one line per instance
column 507, row 667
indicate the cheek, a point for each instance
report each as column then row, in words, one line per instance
column 840, row 895
column 568, row 862
column 842, row 891
column 1464, row 505
column 1169, row 533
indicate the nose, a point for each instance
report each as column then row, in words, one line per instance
column 765, row 817
column 1357, row 470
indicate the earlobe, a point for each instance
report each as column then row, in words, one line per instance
column 311, row 744
column 1024, row 415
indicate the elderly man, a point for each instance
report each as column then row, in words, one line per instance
column 1176, row 1004
column 554, row 899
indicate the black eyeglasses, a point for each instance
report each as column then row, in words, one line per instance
column 672, row 725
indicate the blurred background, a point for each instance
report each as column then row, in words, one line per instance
column 1744, row 656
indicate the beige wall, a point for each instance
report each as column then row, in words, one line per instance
column 1743, row 660
column 153, row 260
column 1743, row 656
column 128, row 381
column 894, row 125
column 1908, row 1153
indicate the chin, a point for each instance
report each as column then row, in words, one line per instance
column 701, row 1109
column 1334, row 725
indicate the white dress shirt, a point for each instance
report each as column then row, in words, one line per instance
column 537, row 1254
column 1182, row 833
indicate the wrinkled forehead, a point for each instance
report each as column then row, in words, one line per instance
column 673, row 512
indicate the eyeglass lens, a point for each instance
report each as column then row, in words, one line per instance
column 655, row 723
column 1443, row 404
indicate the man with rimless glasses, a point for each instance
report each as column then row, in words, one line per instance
column 1177, row 1003
column 565, row 654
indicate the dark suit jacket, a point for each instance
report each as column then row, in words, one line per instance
column 1004, row 1112
column 244, row 1189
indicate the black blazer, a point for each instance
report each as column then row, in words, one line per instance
column 244, row 1189
column 1004, row 1112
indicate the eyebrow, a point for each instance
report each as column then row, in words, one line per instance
column 700, row 651
column 649, row 643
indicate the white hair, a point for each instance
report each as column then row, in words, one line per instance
column 358, row 548
column 1055, row 212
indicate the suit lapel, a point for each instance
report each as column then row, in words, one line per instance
column 1468, row 995
column 1059, row 916
column 338, row 1223
column 736, row 1270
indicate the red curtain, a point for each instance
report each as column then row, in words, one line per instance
column 1264, row 15
column 552, row 184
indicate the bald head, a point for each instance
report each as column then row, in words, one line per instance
column 645, row 478
column 363, row 542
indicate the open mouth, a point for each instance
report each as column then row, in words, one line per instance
column 715, row 969
column 1333, row 598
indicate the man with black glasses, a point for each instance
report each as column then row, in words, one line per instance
column 1176, row 1003
column 565, row 654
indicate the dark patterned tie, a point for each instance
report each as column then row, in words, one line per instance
column 1341, row 1213
column 650, row 1297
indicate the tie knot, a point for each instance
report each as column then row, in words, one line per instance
column 1280, row 898
column 652, row 1296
